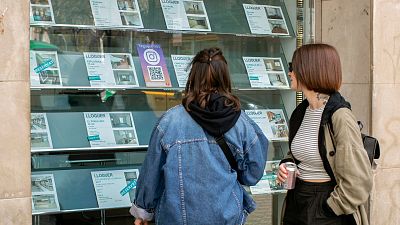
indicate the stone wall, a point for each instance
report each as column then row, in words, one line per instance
column 15, row 188
column 367, row 36
column 385, row 110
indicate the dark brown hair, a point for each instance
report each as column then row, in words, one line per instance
column 317, row 67
column 209, row 74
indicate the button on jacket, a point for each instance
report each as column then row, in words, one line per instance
column 186, row 178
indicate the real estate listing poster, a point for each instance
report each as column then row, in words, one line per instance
column 116, row 13
column 271, row 169
column 182, row 68
column 268, row 183
column 185, row 15
column 110, row 69
column 115, row 188
column 265, row 19
column 44, row 193
column 266, row 72
column 155, row 72
column 272, row 122
column 107, row 129
column 41, row 12
column 40, row 132
column 44, row 69
column 262, row 187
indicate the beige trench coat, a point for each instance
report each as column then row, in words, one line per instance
column 350, row 166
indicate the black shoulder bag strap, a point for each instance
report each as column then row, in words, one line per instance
column 331, row 133
column 227, row 152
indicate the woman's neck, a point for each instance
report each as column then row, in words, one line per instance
column 316, row 100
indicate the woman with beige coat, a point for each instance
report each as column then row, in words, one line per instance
column 334, row 174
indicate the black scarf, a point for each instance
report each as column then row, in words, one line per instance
column 215, row 118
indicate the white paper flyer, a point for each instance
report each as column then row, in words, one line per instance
column 266, row 72
column 185, row 15
column 116, row 13
column 41, row 12
column 44, row 69
column 272, row 122
column 44, row 193
column 262, row 187
column 271, row 169
column 115, row 188
column 268, row 183
column 107, row 129
column 182, row 67
column 110, row 69
column 40, row 133
column 265, row 19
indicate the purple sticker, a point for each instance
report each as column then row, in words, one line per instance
column 155, row 72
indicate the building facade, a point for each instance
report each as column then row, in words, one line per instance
column 365, row 32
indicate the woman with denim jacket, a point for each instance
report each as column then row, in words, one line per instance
column 335, row 176
column 186, row 178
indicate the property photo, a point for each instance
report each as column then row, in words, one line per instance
column 198, row 22
column 121, row 120
column 42, row 14
column 120, row 61
column 278, row 79
column 51, row 77
column 278, row 27
column 44, row 57
column 273, row 64
column 123, row 137
column 131, row 19
column 128, row 5
column 274, row 12
column 194, row 7
column 124, row 77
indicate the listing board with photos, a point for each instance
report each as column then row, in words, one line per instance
column 104, row 71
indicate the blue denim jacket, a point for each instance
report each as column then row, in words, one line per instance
column 186, row 178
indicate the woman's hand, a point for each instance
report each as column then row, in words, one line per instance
column 282, row 173
column 141, row 222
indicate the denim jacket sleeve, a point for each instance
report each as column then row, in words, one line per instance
column 251, row 166
column 151, row 181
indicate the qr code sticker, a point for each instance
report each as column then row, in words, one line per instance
column 156, row 73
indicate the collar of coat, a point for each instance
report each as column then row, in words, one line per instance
column 335, row 102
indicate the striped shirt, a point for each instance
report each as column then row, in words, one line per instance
column 305, row 147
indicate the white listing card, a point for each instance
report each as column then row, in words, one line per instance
column 266, row 72
column 44, row 69
column 182, row 68
column 116, row 13
column 272, row 122
column 262, row 187
column 185, row 15
column 107, row 129
column 265, row 19
column 110, row 69
column 115, row 188
column 268, row 182
column 44, row 193
column 40, row 133
column 41, row 12
column 271, row 170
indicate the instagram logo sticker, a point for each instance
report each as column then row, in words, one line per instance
column 151, row 56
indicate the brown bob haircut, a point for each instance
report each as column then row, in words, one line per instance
column 209, row 74
column 317, row 67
